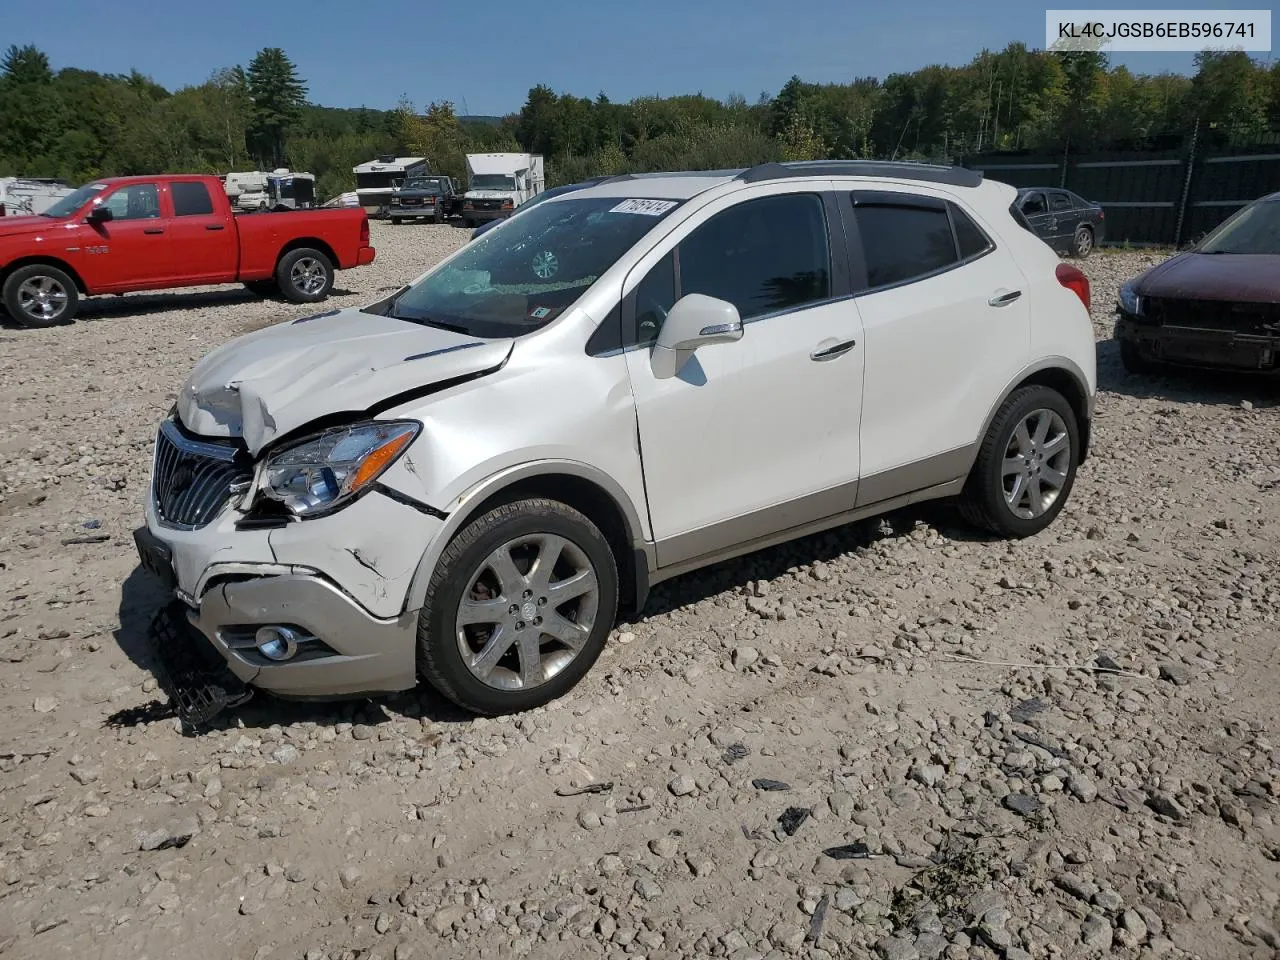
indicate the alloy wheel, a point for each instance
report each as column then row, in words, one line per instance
column 1037, row 462
column 42, row 297
column 308, row 275
column 528, row 611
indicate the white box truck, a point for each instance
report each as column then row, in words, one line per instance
column 497, row 183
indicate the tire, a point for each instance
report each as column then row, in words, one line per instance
column 1082, row 242
column 1007, row 507
column 1133, row 361
column 40, row 296
column 438, row 216
column 517, row 531
column 396, row 221
column 469, row 224
column 304, row 275
column 263, row 288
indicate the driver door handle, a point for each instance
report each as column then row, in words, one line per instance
column 1004, row 298
column 831, row 352
column 153, row 230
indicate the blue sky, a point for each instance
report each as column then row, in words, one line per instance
column 485, row 56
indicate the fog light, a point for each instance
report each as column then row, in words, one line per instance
column 276, row 643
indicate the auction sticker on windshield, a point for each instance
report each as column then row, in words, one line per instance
column 648, row 208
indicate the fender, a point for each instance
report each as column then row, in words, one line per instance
column 459, row 513
column 1041, row 365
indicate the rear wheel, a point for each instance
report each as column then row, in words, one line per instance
column 518, row 608
column 1082, row 244
column 305, row 275
column 438, row 217
column 396, row 221
column 40, row 296
column 1026, row 465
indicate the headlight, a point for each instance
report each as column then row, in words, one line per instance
column 1130, row 302
column 327, row 470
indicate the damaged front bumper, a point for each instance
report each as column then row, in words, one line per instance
column 338, row 585
column 1206, row 347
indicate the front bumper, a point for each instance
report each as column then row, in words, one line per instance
column 1200, row 347
column 416, row 210
column 484, row 216
column 340, row 579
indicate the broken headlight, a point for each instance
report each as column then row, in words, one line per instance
column 1130, row 302
column 325, row 471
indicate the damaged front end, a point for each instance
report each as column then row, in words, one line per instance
column 1216, row 334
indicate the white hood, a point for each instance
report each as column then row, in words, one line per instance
column 268, row 383
column 490, row 194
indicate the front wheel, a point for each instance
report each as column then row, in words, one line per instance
column 518, row 608
column 305, row 275
column 1133, row 360
column 1026, row 465
column 40, row 296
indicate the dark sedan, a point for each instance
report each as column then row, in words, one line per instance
column 1217, row 305
column 1067, row 222
column 544, row 195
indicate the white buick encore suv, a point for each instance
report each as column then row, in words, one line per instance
column 467, row 480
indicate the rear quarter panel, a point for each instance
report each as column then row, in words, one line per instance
column 263, row 236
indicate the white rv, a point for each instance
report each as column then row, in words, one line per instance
column 247, row 183
column 24, row 196
column 376, row 179
column 497, row 183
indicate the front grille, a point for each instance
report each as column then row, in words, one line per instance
column 193, row 479
column 488, row 204
column 1239, row 317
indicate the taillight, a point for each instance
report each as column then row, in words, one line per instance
column 364, row 229
column 1075, row 281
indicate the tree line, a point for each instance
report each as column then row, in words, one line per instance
column 79, row 124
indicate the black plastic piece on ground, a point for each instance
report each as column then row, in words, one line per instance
column 848, row 851
column 199, row 688
column 792, row 818
column 735, row 752
column 772, row 785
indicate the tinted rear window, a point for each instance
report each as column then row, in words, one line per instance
column 190, row 199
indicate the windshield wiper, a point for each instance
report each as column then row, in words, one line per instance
column 428, row 322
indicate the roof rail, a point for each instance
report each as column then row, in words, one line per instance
column 897, row 170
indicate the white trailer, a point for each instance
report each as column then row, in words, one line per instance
column 497, row 183
column 25, row 196
column 376, row 179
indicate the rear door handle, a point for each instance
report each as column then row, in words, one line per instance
column 215, row 226
column 836, row 350
column 153, row 230
column 1005, row 298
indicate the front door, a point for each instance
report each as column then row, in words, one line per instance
column 753, row 437
column 1036, row 209
column 130, row 250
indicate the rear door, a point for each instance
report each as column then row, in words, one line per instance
column 129, row 251
column 202, row 239
column 946, row 325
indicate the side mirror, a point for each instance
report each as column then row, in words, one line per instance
column 695, row 320
column 100, row 214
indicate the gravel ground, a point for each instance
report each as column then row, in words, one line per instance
column 1034, row 807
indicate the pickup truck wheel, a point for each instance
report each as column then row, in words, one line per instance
column 1026, row 465
column 40, row 296
column 438, row 217
column 518, row 608
column 305, row 275
column 396, row 221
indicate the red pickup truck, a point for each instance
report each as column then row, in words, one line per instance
column 154, row 232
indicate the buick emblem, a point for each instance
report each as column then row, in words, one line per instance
column 181, row 479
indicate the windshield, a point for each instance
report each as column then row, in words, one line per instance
column 1255, row 229
column 422, row 183
column 492, row 181
column 517, row 279
column 74, row 201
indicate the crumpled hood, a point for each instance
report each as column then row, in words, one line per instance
column 268, row 383
column 1238, row 277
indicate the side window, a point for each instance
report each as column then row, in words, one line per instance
column 903, row 242
column 190, row 199
column 969, row 236
column 654, row 296
column 137, row 201
column 762, row 255
column 1059, row 202
column 1033, row 203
